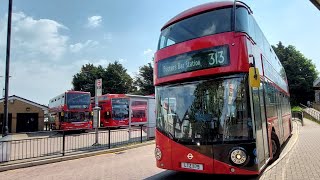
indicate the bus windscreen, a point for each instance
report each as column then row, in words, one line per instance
column 78, row 101
column 120, row 108
column 210, row 111
column 204, row 24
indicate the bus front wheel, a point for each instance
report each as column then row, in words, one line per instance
column 275, row 144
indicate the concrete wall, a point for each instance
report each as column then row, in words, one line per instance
column 21, row 107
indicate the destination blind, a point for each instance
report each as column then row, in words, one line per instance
column 195, row 60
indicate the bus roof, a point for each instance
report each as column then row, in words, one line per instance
column 80, row 92
column 198, row 10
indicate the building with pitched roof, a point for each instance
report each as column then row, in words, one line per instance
column 23, row 115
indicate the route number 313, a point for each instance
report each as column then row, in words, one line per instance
column 216, row 58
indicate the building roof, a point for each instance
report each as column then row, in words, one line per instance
column 14, row 97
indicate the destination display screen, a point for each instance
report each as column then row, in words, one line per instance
column 196, row 60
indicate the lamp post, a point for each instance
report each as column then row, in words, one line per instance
column 5, row 131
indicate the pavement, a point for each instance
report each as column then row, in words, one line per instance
column 299, row 160
column 303, row 160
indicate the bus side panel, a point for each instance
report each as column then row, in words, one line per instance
column 286, row 125
column 76, row 126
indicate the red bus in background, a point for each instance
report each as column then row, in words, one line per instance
column 71, row 111
column 209, row 117
column 114, row 110
column 139, row 112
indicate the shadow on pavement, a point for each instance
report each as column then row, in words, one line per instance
column 172, row 175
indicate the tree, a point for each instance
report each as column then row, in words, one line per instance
column 144, row 80
column 85, row 79
column 300, row 71
column 115, row 79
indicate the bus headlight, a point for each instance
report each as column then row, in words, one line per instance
column 238, row 156
column 157, row 153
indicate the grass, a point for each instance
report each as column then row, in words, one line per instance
column 296, row 109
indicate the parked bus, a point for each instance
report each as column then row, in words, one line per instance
column 71, row 111
column 114, row 110
column 139, row 112
column 222, row 99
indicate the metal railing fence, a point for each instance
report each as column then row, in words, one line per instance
column 312, row 112
column 61, row 143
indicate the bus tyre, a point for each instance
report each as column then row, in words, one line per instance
column 275, row 147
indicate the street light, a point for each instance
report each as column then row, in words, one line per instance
column 3, row 89
column 5, row 131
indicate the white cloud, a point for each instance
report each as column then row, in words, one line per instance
column 33, row 37
column 39, row 81
column 96, row 62
column 148, row 51
column 122, row 60
column 74, row 48
column 94, row 21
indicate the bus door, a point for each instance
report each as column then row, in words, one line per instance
column 260, row 122
column 279, row 113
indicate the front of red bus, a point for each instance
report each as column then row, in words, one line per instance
column 138, row 112
column 77, row 111
column 120, row 112
column 203, row 111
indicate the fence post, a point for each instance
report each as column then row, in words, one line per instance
column 63, row 142
column 302, row 118
column 141, row 134
column 109, row 138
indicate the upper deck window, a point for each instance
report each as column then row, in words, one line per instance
column 78, row 100
column 208, row 23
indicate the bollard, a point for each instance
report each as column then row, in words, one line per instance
column 141, row 134
column 63, row 142
column 109, row 138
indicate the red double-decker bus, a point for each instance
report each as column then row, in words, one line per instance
column 222, row 99
column 71, row 111
column 114, row 110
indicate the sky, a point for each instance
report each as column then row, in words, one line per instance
column 52, row 39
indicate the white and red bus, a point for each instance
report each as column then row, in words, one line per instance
column 71, row 111
column 222, row 99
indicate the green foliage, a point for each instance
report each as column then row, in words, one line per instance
column 296, row 109
column 115, row 79
column 300, row 71
column 85, row 79
column 144, row 80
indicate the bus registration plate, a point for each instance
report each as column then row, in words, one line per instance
column 192, row 166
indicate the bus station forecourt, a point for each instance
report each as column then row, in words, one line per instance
column 298, row 160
